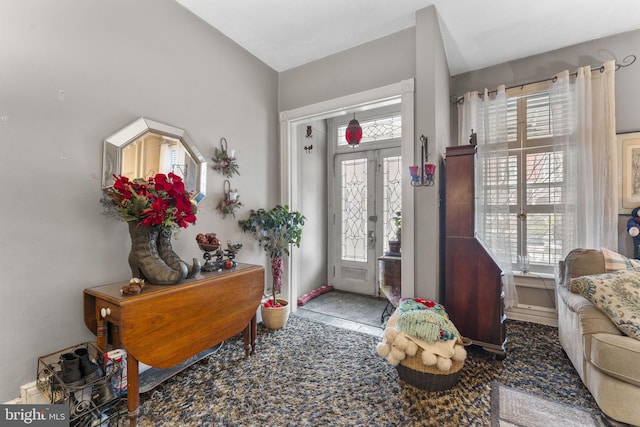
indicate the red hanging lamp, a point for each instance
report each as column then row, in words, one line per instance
column 353, row 133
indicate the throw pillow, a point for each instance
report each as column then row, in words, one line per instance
column 614, row 261
column 617, row 294
column 581, row 262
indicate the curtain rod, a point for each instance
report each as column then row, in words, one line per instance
column 628, row 60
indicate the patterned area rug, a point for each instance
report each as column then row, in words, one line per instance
column 311, row 374
column 513, row 408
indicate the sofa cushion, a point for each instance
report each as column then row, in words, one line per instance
column 581, row 262
column 617, row 294
column 617, row 356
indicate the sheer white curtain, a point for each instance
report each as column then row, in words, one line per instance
column 584, row 129
column 486, row 115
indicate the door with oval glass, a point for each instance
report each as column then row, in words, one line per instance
column 366, row 196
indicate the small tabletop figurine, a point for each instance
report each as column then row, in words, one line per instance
column 633, row 228
column 231, row 252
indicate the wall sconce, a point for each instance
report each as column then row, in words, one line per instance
column 309, row 132
column 230, row 201
column 423, row 175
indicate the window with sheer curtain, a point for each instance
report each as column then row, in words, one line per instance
column 532, row 186
column 547, row 168
column 537, row 173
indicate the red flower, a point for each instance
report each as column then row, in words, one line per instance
column 270, row 304
column 183, row 219
column 157, row 213
column 159, row 201
column 122, row 185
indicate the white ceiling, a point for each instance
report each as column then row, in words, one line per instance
column 477, row 33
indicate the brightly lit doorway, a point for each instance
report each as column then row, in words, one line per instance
column 365, row 193
column 292, row 175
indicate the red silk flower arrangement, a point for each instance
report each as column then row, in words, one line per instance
column 157, row 201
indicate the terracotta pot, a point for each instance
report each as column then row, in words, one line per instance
column 275, row 317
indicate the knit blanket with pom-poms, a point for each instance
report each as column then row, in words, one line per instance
column 396, row 346
column 425, row 319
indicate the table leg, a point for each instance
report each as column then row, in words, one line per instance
column 115, row 336
column 254, row 333
column 247, row 340
column 101, row 333
column 133, row 396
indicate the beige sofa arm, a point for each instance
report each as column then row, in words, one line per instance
column 595, row 321
column 592, row 320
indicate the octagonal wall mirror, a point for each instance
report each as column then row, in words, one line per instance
column 146, row 147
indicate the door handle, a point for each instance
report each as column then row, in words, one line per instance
column 371, row 238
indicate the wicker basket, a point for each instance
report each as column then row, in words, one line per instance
column 412, row 371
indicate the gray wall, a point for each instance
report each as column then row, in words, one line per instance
column 115, row 61
column 313, row 198
column 371, row 65
column 432, row 121
column 546, row 65
column 417, row 52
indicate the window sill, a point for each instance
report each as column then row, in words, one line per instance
column 534, row 275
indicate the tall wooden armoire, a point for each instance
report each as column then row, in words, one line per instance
column 473, row 295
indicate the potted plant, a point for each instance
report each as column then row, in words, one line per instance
column 394, row 245
column 276, row 230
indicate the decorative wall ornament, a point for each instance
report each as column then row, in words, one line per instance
column 423, row 177
column 225, row 161
column 230, row 201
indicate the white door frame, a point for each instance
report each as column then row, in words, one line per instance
column 290, row 174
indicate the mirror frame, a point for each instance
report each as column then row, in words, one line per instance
column 114, row 144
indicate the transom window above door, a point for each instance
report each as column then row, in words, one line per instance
column 379, row 129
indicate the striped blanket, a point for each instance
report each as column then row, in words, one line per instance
column 614, row 261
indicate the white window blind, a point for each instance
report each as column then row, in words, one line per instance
column 535, row 184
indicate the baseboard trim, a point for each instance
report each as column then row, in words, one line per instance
column 531, row 313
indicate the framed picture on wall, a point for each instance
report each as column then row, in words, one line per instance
column 629, row 149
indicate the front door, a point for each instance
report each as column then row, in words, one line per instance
column 366, row 195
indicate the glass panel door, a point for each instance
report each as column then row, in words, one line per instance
column 367, row 194
column 353, row 219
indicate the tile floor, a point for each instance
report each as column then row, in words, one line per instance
column 341, row 323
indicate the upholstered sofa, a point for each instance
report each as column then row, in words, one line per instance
column 607, row 360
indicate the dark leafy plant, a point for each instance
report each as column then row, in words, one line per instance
column 276, row 230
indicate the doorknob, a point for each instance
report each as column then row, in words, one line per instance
column 371, row 238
